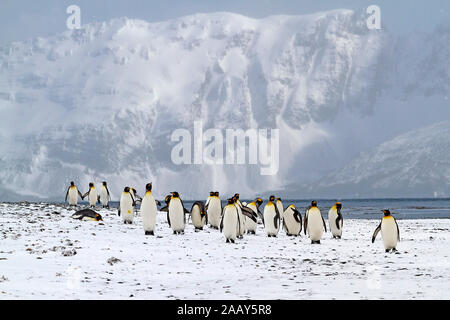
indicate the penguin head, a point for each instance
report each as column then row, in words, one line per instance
column 133, row 190
column 212, row 194
column 98, row 217
column 104, row 183
column 216, row 193
column 236, row 195
column 231, row 200
column 91, row 184
column 272, row 198
column 314, row 203
column 167, row 199
column 72, row 183
column 338, row 205
column 259, row 201
column 175, row 194
column 148, row 187
column 278, row 199
column 126, row 189
column 386, row 212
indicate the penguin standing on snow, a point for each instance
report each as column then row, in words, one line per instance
column 198, row 215
column 176, row 211
column 390, row 232
column 279, row 206
column 250, row 225
column 229, row 221
column 292, row 221
column 72, row 194
column 214, row 209
column 241, row 225
column 314, row 223
column 126, row 206
column 271, row 218
column 149, row 211
column 92, row 195
column 335, row 220
column 104, row 196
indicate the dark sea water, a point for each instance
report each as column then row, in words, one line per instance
column 367, row 208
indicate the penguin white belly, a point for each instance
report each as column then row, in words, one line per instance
column 148, row 212
column 104, row 199
column 293, row 227
column 269, row 216
column 93, row 197
column 73, row 196
column 315, row 225
column 196, row 217
column 389, row 233
column 214, row 212
column 230, row 221
column 126, row 207
column 250, row 225
column 176, row 215
column 332, row 216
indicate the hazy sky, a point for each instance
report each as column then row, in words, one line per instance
column 23, row 19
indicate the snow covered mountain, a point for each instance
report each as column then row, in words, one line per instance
column 101, row 103
column 413, row 164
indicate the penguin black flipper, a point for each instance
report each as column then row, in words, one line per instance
column 168, row 218
column 376, row 232
column 67, row 193
column 118, row 209
column 157, row 202
column 398, row 230
column 324, row 225
column 79, row 193
column 297, row 216
column 306, row 221
column 86, row 194
column 164, row 209
column 249, row 213
column 276, row 220
column 221, row 224
column 260, row 214
column 339, row 218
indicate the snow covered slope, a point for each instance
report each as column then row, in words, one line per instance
column 100, row 103
column 416, row 163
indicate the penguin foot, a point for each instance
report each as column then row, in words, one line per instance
column 387, row 250
column 232, row 241
column 227, row 241
column 149, row 233
column 315, row 242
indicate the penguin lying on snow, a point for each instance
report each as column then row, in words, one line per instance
column 87, row 215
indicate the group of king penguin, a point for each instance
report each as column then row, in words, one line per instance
column 233, row 220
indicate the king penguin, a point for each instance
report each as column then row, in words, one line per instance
column 271, row 218
column 72, row 194
column 292, row 221
column 390, row 232
column 148, row 211
column 176, row 211
column 126, row 206
column 214, row 209
column 335, row 220
column 87, row 215
column 104, row 196
column 229, row 221
column 198, row 215
column 314, row 223
column 92, row 195
column 250, row 225
column 241, row 225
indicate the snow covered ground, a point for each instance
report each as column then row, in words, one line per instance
column 44, row 254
